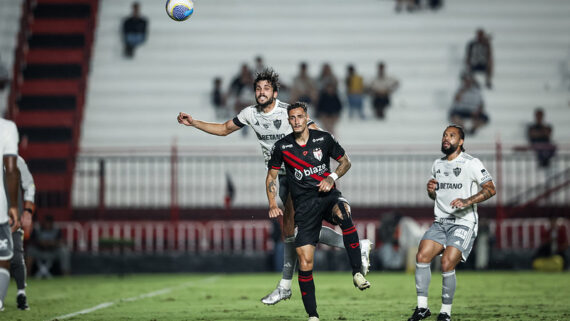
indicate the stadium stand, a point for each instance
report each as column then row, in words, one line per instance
column 173, row 70
column 52, row 63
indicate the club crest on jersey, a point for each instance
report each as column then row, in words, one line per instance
column 318, row 153
column 298, row 174
column 457, row 171
column 277, row 123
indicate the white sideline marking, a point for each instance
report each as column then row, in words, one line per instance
column 132, row 299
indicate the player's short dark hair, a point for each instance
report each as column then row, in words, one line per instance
column 297, row 105
column 267, row 74
column 461, row 133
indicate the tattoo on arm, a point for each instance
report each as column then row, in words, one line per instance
column 272, row 188
column 343, row 166
column 486, row 193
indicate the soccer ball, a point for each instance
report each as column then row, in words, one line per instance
column 179, row 10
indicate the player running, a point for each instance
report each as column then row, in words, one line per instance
column 9, row 218
column 306, row 154
column 453, row 186
column 268, row 118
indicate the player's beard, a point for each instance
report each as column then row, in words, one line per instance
column 265, row 104
column 450, row 150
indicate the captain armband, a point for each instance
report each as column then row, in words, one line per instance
column 334, row 176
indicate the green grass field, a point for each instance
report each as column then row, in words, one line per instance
column 479, row 296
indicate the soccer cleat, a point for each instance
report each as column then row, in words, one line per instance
column 420, row 314
column 313, row 319
column 277, row 295
column 22, row 302
column 360, row 282
column 365, row 248
column 443, row 317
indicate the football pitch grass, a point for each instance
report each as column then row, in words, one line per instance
column 479, row 296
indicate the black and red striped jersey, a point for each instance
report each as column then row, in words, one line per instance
column 306, row 165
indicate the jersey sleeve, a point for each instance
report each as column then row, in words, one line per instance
column 336, row 151
column 433, row 170
column 479, row 172
column 26, row 180
column 276, row 159
column 242, row 118
column 10, row 146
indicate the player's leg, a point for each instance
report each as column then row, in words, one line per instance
column 18, row 269
column 331, row 237
column 306, row 255
column 283, row 290
column 430, row 246
column 342, row 216
column 5, row 256
column 460, row 241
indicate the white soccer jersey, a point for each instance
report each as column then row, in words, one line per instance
column 8, row 147
column 269, row 127
column 458, row 178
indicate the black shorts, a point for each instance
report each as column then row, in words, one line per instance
column 310, row 213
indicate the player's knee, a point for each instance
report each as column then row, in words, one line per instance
column 422, row 258
column 447, row 264
column 305, row 265
column 342, row 211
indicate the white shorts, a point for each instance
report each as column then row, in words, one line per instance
column 460, row 237
column 6, row 243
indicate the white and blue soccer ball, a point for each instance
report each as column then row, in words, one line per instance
column 179, row 10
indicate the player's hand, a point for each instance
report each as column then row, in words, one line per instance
column 326, row 185
column 431, row 185
column 26, row 221
column 185, row 119
column 275, row 211
column 13, row 218
column 459, row 203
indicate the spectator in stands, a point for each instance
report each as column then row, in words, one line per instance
column 4, row 75
column 46, row 246
column 329, row 105
column 219, row 99
column 468, row 105
column 304, row 88
column 134, row 31
column 259, row 64
column 382, row 88
column 327, row 78
column 240, row 88
column 329, row 108
column 354, row 92
column 479, row 56
column 539, row 134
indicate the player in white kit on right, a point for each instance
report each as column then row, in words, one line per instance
column 9, row 218
column 454, row 184
column 269, row 120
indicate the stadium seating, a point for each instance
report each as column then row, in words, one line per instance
column 134, row 102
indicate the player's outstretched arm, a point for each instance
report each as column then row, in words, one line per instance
column 271, row 189
column 344, row 165
column 217, row 129
column 487, row 191
column 431, row 187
